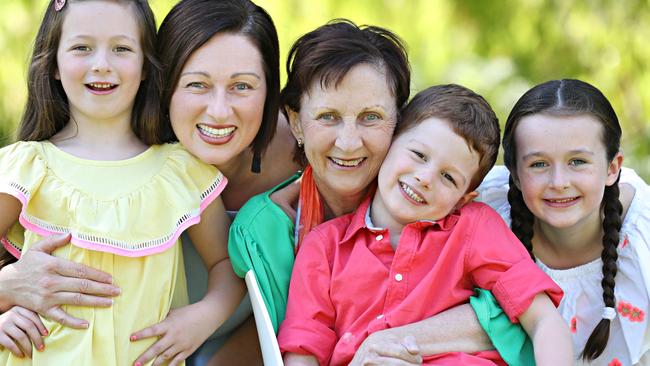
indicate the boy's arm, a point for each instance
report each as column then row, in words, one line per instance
column 550, row 334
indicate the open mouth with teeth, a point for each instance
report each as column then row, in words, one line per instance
column 561, row 202
column 216, row 132
column 101, row 87
column 410, row 193
column 347, row 163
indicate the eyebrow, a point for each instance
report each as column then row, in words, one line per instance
column 237, row 74
column 571, row 152
column 120, row 36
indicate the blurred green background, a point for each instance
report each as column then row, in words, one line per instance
column 498, row 48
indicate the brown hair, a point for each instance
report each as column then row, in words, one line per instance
column 327, row 53
column 47, row 110
column 570, row 97
column 469, row 115
column 192, row 23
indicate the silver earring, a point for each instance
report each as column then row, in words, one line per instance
column 300, row 143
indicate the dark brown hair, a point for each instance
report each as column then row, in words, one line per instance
column 47, row 110
column 192, row 23
column 570, row 98
column 326, row 54
column 469, row 115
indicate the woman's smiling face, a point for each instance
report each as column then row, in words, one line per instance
column 217, row 107
column 347, row 129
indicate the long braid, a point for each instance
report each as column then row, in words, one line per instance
column 612, row 222
column 522, row 218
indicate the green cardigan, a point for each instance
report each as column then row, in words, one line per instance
column 262, row 239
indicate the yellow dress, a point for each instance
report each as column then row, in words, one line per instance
column 125, row 218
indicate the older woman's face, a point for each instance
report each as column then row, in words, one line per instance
column 347, row 129
column 217, row 107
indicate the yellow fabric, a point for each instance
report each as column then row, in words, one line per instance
column 127, row 202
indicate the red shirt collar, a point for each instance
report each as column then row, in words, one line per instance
column 358, row 222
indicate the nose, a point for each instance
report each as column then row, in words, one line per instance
column 101, row 62
column 424, row 176
column 559, row 179
column 219, row 106
column 349, row 137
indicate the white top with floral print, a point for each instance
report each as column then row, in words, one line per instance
column 582, row 305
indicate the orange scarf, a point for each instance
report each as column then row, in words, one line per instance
column 311, row 205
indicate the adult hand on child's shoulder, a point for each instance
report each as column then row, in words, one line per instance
column 175, row 342
column 384, row 348
column 42, row 282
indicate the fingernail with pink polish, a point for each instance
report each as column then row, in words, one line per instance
column 137, row 364
column 45, row 332
column 41, row 347
column 133, row 338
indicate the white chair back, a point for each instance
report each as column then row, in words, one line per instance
column 268, row 342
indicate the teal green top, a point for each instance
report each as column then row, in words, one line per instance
column 510, row 340
column 262, row 239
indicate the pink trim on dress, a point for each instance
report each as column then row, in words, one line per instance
column 10, row 248
column 87, row 244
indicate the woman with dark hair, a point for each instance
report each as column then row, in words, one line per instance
column 345, row 87
column 584, row 219
column 220, row 95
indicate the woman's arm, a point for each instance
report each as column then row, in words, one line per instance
column 41, row 282
column 294, row 359
column 454, row 330
column 550, row 334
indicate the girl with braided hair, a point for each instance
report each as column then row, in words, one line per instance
column 584, row 219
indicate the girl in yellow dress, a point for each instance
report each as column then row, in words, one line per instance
column 89, row 164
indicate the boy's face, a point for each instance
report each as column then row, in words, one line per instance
column 425, row 176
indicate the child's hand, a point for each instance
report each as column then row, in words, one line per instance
column 19, row 328
column 176, row 343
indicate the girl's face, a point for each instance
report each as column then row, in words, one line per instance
column 562, row 168
column 217, row 107
column 347, row 129
column 100, row 59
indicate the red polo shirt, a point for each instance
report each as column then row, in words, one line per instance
column 348, row 282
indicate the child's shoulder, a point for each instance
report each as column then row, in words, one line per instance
column 477, row 210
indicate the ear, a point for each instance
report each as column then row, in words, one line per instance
column 465, row 199
column 614, row 168
column 294, row 122
column 57, row 76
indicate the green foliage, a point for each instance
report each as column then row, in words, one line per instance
column 498, row 48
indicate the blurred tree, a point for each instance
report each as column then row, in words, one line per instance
column 498, row 48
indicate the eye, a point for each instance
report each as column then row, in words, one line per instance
column 448, row 177
column 241, row 87
column 327, row 117
column 577, row 162
column 538, row 164
column 195, row 85
column 419, row 155
column 371, row 117
column 122, row 49
column 80, row 48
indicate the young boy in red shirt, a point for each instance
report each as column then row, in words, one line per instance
column 420, row 246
